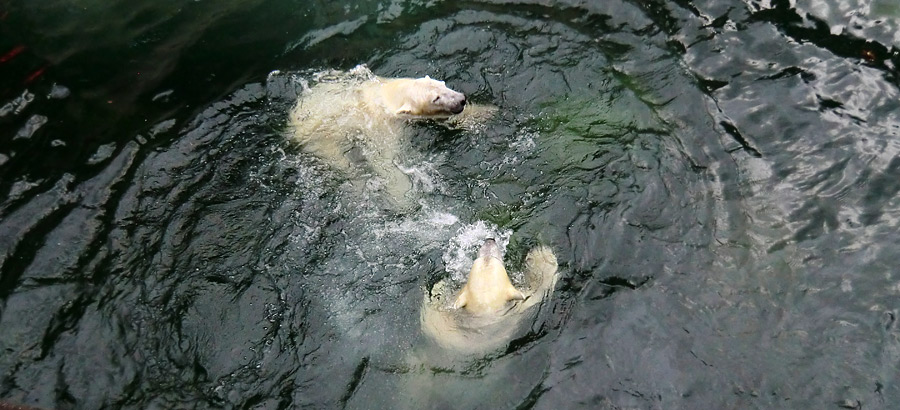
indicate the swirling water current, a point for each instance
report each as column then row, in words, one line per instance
column 718, row 179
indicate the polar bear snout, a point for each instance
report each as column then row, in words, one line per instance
column 448, row 101
column 490, row 249
column 458, row 103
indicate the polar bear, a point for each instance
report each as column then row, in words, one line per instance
column 358, row 122
column 488, row 288
column 484, row 314
column 413, row 97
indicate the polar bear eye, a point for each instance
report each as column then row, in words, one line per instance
column 436, row 99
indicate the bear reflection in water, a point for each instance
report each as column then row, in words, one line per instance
column 485, row 313
column 358, row 123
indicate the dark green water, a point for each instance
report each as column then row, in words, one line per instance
column 718, row 179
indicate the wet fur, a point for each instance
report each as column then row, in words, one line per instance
column 357, row 123
column 459, row 323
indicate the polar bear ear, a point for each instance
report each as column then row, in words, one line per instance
column 514, row 294
column 427, row 77
column 461, row 300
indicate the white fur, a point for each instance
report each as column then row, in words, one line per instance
column 485, row 313
column 488, row 288
column 358, row 122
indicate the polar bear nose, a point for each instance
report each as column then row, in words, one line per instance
column 458, row 107
column 490, row 249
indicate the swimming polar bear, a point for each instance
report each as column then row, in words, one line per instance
column 358, row 122
column 485, row 313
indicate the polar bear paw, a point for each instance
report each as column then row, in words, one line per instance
column 540, row 273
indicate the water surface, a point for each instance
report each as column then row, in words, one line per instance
column 718, row 180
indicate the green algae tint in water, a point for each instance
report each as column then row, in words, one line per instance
column 718, row 182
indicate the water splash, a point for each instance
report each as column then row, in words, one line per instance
column 464, row 245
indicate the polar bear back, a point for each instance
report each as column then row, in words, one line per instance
column 338, row 110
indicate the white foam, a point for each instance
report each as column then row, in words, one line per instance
column 424, row 176
column 443, row 218
column 524, row 142
column 426, row 229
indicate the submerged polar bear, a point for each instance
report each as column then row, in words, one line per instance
column 485, row 313
column 357, row 122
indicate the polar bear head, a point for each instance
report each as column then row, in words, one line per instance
column 481, row 318
column 488, row 287
column 420, row 97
